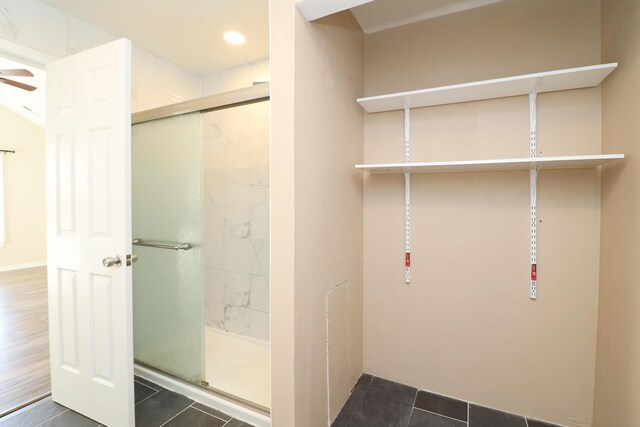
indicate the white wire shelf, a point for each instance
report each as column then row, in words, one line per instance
column 549, row 81
column 493, row 165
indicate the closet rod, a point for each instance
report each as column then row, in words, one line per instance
column 8, row 151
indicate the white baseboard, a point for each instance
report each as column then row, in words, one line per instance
column 202, row 396
column 23, row 266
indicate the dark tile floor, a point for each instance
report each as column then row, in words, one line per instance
column 376, row 402
column 155, row 407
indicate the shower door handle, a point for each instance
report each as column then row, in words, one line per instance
column 162, row 245
column 111, row 261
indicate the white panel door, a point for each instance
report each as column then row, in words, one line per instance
column 89, row 219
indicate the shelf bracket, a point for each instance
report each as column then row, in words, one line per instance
column 407, row 197
column 533, row 177
column 533, row 196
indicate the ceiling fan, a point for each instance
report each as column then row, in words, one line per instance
column 17, row 73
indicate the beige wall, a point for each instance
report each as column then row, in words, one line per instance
column 317, row 134
column 282, row 34
column 465, row 327
column 24, row 191
column 617, row 396
column 328, row 205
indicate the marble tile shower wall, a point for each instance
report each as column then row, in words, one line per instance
column 237, row 77
column 236, row 212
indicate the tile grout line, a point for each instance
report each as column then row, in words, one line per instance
column 413, row 406
column 440, row 415
column 175, row 415
column 147, row 386
column 205, row 412
column 493, row 409
column 49, row 419
column 370, row 381
column 144, row 385
column 151, row 395
column 435, row 413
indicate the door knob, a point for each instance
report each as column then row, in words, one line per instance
column 111, row 261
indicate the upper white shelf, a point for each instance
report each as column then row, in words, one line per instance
column 563, row 162
column 549, row 81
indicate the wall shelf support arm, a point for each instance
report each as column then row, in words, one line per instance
column 533, row 196
column 407, row 197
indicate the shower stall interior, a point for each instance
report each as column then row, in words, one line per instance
column 200, row 203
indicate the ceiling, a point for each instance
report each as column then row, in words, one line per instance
column 17, row 99
column 381, row 15
column 192, row 36
column 188, row 33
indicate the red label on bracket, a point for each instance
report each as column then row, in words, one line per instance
column 534, row 275
column 407, row 259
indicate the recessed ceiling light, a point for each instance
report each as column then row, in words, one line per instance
column 233, row 37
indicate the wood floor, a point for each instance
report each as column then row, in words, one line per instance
column 24, row 337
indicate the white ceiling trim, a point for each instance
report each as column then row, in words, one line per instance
column 316, row 9
column 458, row 7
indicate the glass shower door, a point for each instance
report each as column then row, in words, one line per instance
column 167, row 209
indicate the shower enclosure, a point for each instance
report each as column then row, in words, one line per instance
column 200, row 202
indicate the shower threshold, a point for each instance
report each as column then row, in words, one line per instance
column 232, row 405
column 237, row 365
